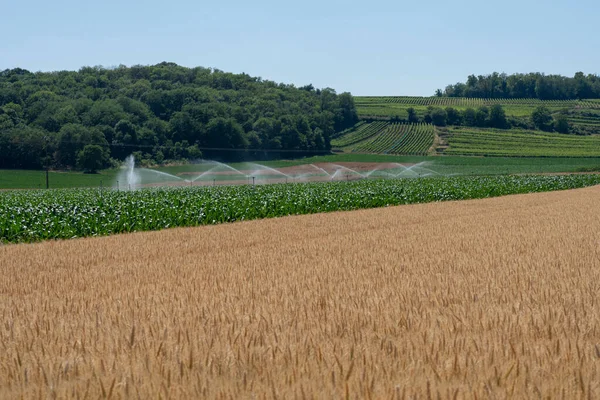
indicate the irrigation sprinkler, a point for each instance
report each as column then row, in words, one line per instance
column 47, row 179
column 253, row 181
column 130, row 187
column 117, row 186
column 214, row 182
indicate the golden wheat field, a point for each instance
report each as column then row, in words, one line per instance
column 493, row 298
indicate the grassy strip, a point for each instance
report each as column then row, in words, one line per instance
column 29, row 216
column 457, row 164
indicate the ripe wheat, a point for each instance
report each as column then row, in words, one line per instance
column 488, row 298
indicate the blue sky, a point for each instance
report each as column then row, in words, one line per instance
column 368, row 48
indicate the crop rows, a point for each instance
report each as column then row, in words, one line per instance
column 349, row 130
column 470, row 102
column 27, row 216
column 413, row 139
column 521, row 143
column 582, row 120
column 362, row 132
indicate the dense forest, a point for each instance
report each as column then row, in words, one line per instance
column 94, row 117
column 531, row 86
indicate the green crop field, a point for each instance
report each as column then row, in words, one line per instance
column 493, row 142
column 28, row 179
column 27, row 216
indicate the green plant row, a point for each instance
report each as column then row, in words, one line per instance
column 362, row 132
column 28, row 216
column 349, row 130
column 584, row 121
column 470, row 102
column 521, row 143
column 412, row 139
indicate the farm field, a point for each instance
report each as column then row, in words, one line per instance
column 387, row 138
column 582, row 115
column 36, row 179
column 383, row 137
column 491, row 298
column 396, row 106
column 27, row 216
column 358, row 133
column 494, row 142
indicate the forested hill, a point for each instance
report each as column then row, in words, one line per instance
column 97, row 115
column 531, row 86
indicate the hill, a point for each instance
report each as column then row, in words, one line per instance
column 87, row 118
column 582, row 115
column 473, row 126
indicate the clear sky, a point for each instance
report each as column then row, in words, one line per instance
column 372, row 47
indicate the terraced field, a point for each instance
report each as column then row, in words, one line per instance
column 473, row 102
column 396, row 106
column 492, row 142
column 587, row 118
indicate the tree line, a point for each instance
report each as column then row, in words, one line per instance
column 529, row 86
column 489, row 117
column 93, row 117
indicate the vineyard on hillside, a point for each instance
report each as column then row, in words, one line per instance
column 471, row 102
column 360, row 132
column 398, row 138
column 492, row 142
column 387, row 138
column 582, row 112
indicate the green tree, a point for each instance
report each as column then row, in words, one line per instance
column 92, row 158
column 412, row 115
column 125, row 132
column 160, row 106
column 427, row 117
column 481, row 116
column 469, row 117
column 347, row 112
column 532, row 85
column 69, row 144
column 438, row 117
column 561, row 124
column 225, row 133
column 497, row 118
column 542, row 118
column 454, row 117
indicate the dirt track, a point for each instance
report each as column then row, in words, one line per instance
column 490, row 298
